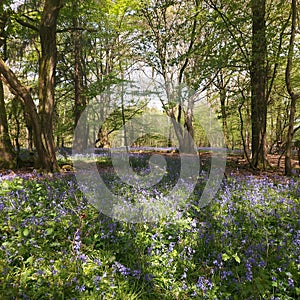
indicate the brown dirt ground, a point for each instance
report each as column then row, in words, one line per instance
column 236, row 165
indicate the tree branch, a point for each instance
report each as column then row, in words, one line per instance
column 76, row 29
column 26, row 24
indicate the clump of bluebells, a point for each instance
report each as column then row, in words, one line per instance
column 244, row 245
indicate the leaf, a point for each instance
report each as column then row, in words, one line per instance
column 55, row 244
column 112, row 259
column 237, row 259
column 225, row 256
column 26, row 232
column 25, row 275
column 49, row 231
column 29, row 260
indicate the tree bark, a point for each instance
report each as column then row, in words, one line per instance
column 184, row 134
column 42, row 122
column 80, row 101
column 7, row 153
column 258, row 83
column 221, row 85
column 294, row 97
column 18, row 89
column 47, row 66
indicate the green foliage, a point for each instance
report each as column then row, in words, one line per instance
column 199, row 40
column 54, row 244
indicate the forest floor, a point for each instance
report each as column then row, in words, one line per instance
column 238, row 165
column 245, row 244
column 235, row 165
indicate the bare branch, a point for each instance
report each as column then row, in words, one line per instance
column 27, row 24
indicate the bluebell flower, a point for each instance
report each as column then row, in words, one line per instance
column 40, row 272
column 122, row 269
column 54, row 271
column 194, row 294
column 98, row 262
column 171, row 247
column 225, row 274
column 80, row 288
column 137, row 273
column 249, row 274
column 290, row 282
column 148, row 277
column 204, row 284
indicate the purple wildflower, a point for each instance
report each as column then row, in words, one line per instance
column 122, row 269
column 249, row 274
column 80, row 288
column 290, row 282
column 40, row 272
column 148, row 277
column 204, row 284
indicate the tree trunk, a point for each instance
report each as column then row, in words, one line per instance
column 258, row 83
column 7, row 153
column 184, row 134
column 103, row 140
column 294, row 97
column 224, row 115
column 221, row 85
column 80, row 101
column 47, row 66
column 189, row 129
column 42, row 123
column 24, row 95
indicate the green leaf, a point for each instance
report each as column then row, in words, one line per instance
column 237, row 259
column 55, row 244
column 3, row 192
column 26, row 232
column 225, row 256
column 112, row 259
column 49, row 231
column 29, row 260
column 25, row 275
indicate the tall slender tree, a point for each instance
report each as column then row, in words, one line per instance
column 47, row 66
column 294, row 96
column 258, row 83
column 171, row 33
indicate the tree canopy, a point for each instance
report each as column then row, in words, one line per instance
column 241, row 56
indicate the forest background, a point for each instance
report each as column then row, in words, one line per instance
column 241, row 56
